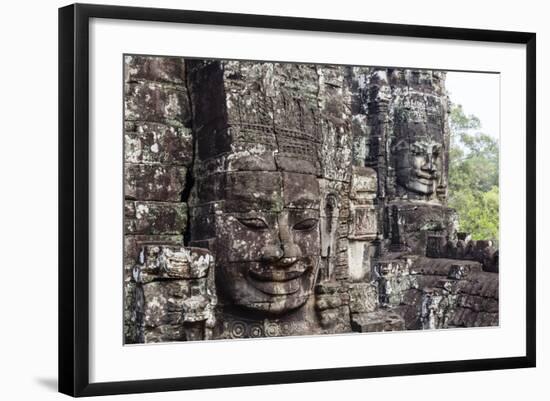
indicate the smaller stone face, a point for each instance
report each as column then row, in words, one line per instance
column 418, row 165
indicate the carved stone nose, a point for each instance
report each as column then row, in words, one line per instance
column 428, row 166
column 271, row 253
column 285, row 262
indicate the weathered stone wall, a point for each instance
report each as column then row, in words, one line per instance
column 158, row 153
column 314, row 199
column 440, row 293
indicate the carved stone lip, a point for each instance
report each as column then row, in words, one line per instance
column 425, row 177
column 288, row 287
column 278, row 273
column 277, row 279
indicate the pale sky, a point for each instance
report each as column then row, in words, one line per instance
column 479, row 94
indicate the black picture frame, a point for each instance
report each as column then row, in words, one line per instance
column 74, row 198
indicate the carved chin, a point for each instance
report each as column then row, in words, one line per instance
column 424, row 187
column 268, row 291
column 279, row 304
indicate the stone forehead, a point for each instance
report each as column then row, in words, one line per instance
column 417, row 142
column 243, row 191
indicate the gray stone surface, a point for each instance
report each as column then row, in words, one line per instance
column 271, row 199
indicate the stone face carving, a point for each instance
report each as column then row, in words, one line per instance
column 271, row 199
column 266, row 188
column 268, row 201
column 268, row 256
column 418, row 165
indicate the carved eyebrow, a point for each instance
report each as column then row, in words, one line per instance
column 426, row 146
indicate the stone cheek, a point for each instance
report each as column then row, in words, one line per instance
column 239, row 243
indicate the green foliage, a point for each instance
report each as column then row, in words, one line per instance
column 473, row 176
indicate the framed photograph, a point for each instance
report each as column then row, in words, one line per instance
column 250, row 199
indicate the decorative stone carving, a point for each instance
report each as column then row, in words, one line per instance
column 414, row 227
column 311, row 199
column 176, row 294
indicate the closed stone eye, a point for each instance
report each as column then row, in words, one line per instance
column 305, row 225
column 254, row 223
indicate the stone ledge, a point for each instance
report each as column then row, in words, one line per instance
column 381, row 320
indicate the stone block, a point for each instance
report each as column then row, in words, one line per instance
column 300, row 191
column 154, row 182
column 154, row 143
column 156, row 218
column 381, row 320
column 130, row 316
column 133, row 245
column 363, row 297
column 451, row 268
column 363, row 223
column 392, row 267
column 158, row 69
column 176, row 293
column 364, row 184
column 245, row 191
column 162, row 310
column 175, row 262
column 413, row 223
column 156, row 102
